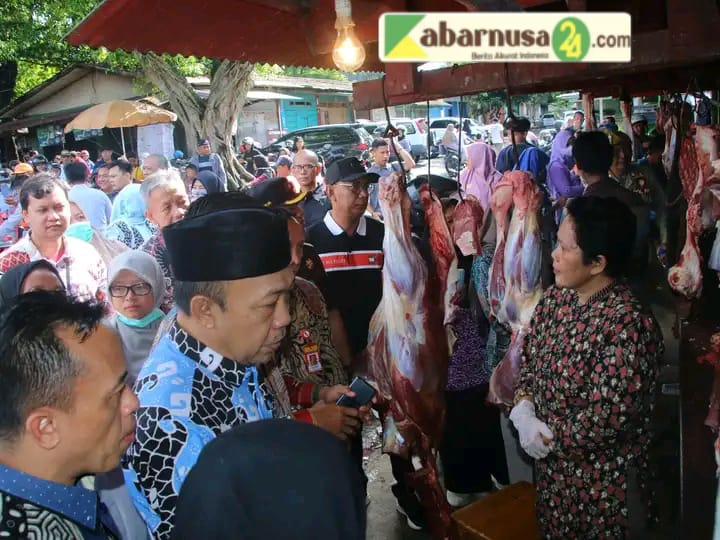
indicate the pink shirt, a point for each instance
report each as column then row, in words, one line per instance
column 82, row 269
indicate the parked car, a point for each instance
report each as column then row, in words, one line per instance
column 346, row 140
column 415, row 133
column 549, row 120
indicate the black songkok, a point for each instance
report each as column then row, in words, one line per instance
column 228, row 245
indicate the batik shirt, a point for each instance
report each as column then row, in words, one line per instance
column 590, row 370
column 188, row 394
column 81, row 268
column 155, row 246
column 33, row 508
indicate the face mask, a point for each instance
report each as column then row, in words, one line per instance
column 197, row 193
column 151, row 317
column 82, row 231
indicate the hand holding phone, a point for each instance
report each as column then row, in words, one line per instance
column 364, row 393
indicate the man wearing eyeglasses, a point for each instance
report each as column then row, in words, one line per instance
column 350, row 247
column 305, row 169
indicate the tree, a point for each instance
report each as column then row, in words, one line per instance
column 213, row 118
column 33, row 49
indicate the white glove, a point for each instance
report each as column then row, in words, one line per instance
column 531, row 430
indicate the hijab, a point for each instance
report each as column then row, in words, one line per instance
column 560, row 151
column 90, row 202
column 12, row 281
column 480, row 178
column 130, row 206
column 282, row 478
column 130, row 226
column 137, row 336
column 211, row 182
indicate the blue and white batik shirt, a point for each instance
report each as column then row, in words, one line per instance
column 189, row 394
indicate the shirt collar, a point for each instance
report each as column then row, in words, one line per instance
column 337, row 230
column 225, row 368
column 74, row 502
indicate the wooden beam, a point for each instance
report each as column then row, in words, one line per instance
column 490, row 5
column 576, row 5
column 652, row 51
column 294, row 7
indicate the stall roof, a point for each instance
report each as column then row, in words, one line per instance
column 284, row 32
column 673, row 42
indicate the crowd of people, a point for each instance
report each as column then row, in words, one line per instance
column 172, row 353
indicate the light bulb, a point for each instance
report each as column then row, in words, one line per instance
column 348, row 53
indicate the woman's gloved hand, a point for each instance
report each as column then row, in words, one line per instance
column 535, row 435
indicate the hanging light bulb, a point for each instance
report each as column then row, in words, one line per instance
column 348, row 53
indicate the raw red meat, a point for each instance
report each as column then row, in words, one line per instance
column 500, row 203
column 468, row 220
column 523, row 287
column 698, row 160
column 713, row 358
column 408, row 350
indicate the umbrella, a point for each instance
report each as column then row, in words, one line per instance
column 120, row 114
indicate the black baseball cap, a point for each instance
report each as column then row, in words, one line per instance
column 276, row 192
column 348, row 169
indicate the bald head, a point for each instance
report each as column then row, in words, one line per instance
column 306, row 168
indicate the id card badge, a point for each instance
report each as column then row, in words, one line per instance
column 311, row 353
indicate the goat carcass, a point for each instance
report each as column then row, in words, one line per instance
column 698, row 173
column 408, row 352
column 523, row 287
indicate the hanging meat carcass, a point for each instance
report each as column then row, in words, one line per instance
column 500, row 204
column 713, row 358
column 522, row 257
column 468, row 219
column 698, row 173
column 408, row 348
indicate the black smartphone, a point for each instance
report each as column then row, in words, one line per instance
column 364, row 393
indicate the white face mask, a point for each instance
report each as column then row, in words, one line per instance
column 197, row 193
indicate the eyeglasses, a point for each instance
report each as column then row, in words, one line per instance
column 303, row 168
column 138, row 289
column 357, row 188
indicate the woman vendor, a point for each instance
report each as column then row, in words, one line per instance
column 586, row 389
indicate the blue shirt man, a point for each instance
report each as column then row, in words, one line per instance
column 232, row 282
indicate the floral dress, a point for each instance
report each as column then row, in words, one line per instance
column 591, row 371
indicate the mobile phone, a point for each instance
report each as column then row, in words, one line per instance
column 364, row 393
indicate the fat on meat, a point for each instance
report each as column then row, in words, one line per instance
column 408, row 349
column 522, row 277
column 500, row 203
column 468, row 219
column 699, row 176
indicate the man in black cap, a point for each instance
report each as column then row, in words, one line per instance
column 252, row 158
column 281, row 193
column 350, row 247
column 507, row 159
column 207, row 160
column 232, row 280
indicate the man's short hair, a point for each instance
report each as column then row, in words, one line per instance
column 75, row 172
column 604, row 226
column 162, row 161
column 313, row 156
column 184, row 291
column 593, row 152
column 191, row 166
column 104, row 165
column 580, row 113
column 36, row 368
column 39, row 186
column 123, row 165
column 164, row 178
column 378, row 143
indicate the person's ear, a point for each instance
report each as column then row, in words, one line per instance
column 598, row 265
column 205, row 311
column 42, row 425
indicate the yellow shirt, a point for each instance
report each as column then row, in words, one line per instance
column 137, row 174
